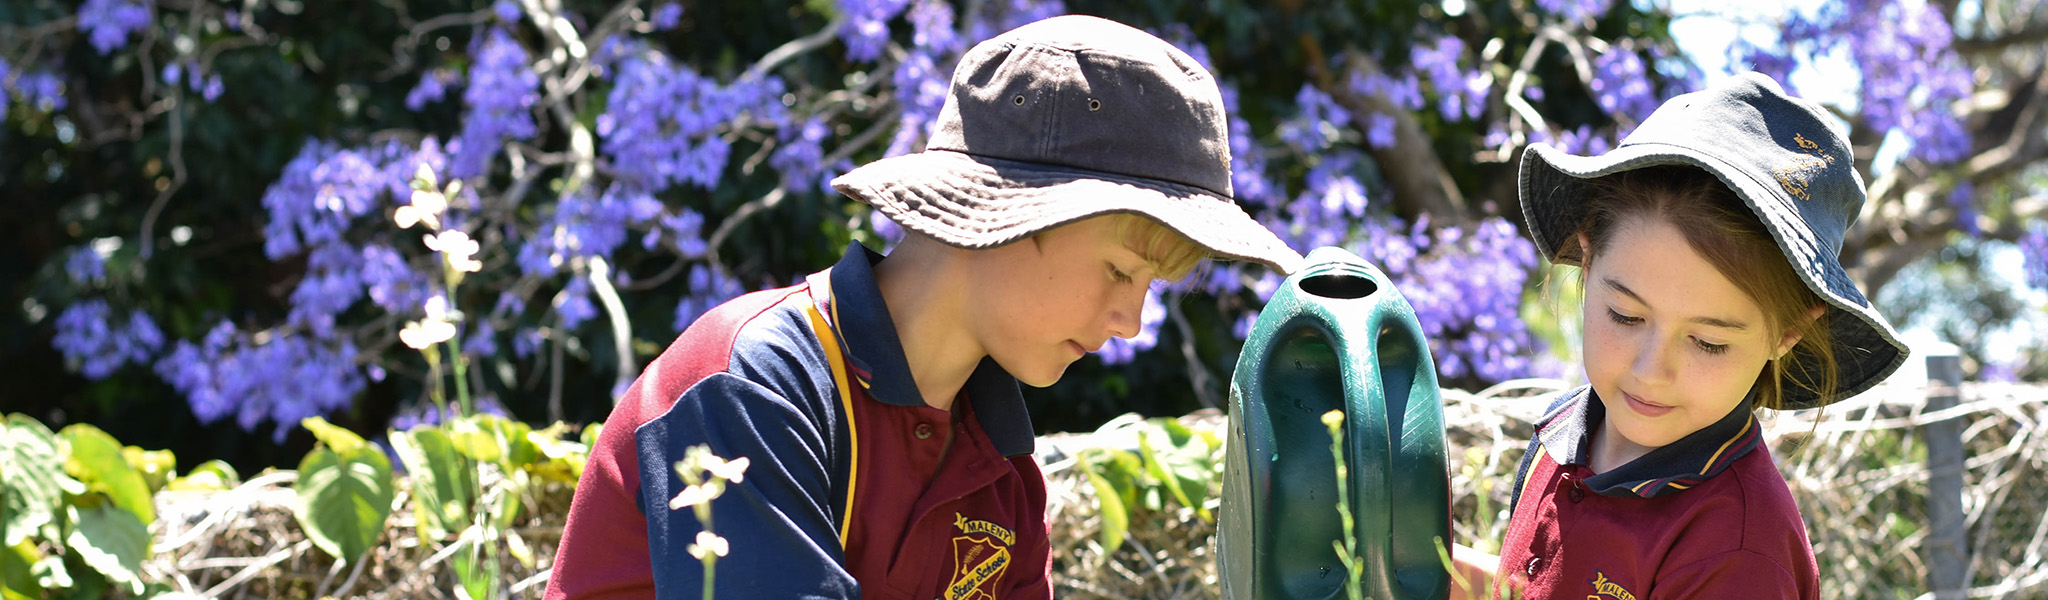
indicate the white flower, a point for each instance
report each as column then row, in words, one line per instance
column 692, row 496
column 708, row 544
column 731, row 470
column 458, row 248
column 420, row 334
column 427, row 206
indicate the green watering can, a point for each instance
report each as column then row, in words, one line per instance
column 1336, row 336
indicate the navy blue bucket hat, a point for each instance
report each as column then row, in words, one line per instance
column 1786, row 159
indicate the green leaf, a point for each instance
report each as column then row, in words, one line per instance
column 340, row 440
column 95, row 459
column 476, row 567
column 16, row 581
column 344, row 498
column 1115, row 522
column 590, row 434
column 35, row 478
column 515, row 451
column 112, row 541
column 1156, row 467
column 440, row 480
column 212, row 475
column 156, row 466
column 472, row 441
column 561, row 460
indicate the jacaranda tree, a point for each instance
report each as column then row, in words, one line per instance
column 233, row 215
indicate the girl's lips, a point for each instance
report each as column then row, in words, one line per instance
column 1645, row 408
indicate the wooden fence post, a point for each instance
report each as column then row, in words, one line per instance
column 1945, row 548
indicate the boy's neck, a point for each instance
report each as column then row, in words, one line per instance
column 919, row 286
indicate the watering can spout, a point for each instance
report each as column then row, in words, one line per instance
column 1336, row 336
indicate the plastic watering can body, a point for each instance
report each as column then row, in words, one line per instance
column 1336, row 335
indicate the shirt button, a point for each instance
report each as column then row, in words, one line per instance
column 1534, row 564
column 1578, row 493
column 924, row 431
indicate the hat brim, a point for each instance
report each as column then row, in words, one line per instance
column 978, row 202
column 1552, row 186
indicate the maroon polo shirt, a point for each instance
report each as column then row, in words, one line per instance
column 1707, row 517
column 853, row 490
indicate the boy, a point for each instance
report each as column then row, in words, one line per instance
column 1076, row 160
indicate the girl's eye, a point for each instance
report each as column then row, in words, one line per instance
column 1623, row 319
column 1709, row 348
column 1119, row 275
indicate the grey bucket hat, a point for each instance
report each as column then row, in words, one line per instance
column 1785, row 159
column 1065, row 119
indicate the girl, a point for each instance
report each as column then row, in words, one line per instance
column 1707, row 247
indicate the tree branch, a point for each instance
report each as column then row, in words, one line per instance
column 1421, row 183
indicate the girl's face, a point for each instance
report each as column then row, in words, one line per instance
column 1046, row 303
column 1671, row 345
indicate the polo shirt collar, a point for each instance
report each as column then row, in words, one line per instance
column 1566, row 436
column 875, row 358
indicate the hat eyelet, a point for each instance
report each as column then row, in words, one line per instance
column 1019, row 100
column 1094, row 105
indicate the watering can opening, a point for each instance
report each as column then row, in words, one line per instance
column 1343, row 286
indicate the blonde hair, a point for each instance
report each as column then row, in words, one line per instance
column 1173, row 256
column 1724, row 231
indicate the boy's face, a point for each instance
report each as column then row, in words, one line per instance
column 1044, row 304
column 1671, row 345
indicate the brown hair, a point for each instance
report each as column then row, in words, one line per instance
column 1727, row 233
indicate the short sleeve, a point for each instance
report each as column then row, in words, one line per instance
column 777, row 521
column 1737, row 574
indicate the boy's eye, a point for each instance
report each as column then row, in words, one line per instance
column 1623, row 319
column 1119, row 274
column 1709, row 348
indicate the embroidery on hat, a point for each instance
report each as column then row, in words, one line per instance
column 1603, row 587
column 980, row 555
column 1797, row 175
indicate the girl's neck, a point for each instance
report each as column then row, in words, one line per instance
column 1610, row 450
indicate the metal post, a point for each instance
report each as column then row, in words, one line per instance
column 1945, row 548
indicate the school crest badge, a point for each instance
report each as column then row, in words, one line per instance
column 980, row 555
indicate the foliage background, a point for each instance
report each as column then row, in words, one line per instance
column 197, row 194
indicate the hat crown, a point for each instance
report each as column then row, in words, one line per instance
column 1751, row 123
column 1089, row 93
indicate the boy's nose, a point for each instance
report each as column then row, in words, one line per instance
column 1126, row 314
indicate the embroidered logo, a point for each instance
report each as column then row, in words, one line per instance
column 1605, row 588
column 980, row 554
column 1795, row 176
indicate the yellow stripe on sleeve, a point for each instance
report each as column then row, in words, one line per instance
column 831, row 344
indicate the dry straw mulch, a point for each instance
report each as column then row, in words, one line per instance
column 1858, row 469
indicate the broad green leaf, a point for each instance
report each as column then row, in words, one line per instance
column 95, row 459
column 340, row 440
column 16, row 581
column 506, row 510
column 34, row 476
column 472, row 441
column 1155, row 465
column 344, row 498
column 440, row 480
column 1115, row 522
column 590, row 434
column 515, row 451
column 561, row 460
column 156, row 466
column 212, row 475
column 112, row 541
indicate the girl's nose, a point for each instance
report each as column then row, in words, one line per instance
column 1653, row 360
